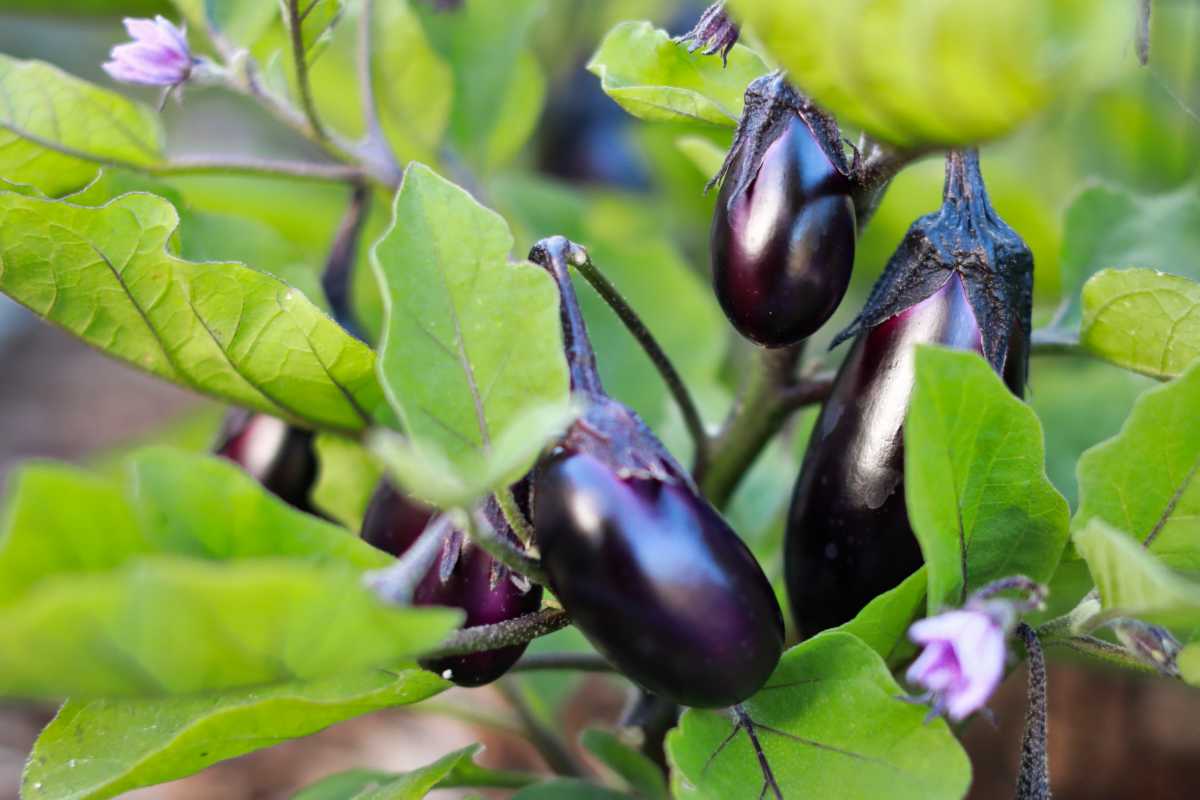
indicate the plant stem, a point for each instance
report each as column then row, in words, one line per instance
column 552, row 748
column 501, row 634
column 1105, row 651
column 395, row 584
column 661, row 361
column 513, row 515
column 875, row 167
column 1053, row 342
column 375, row 141
column 502, row 549
column 300, row 60
column 339, row 265
column 1033, row 781
column 578, row 662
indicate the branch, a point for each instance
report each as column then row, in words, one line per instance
column 300, row 59
column 501, row 634
column 1054, row 342
column 375, row 141
column 875, row 165
column 504, row 551
column 577, row 662
column 662, row 362
column 1033, row 781
column 558, row 757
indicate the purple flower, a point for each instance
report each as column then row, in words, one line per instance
column 963, row 659
column 158, row 55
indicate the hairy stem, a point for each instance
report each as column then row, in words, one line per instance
column 300, row 62
column 513, row 515
column 502, row 634
column 576, row 662
column 558, row 757
column 1105, row 651
column 1033, row 781
column 662, row 362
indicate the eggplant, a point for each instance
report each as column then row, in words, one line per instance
column 463, row 576
column 278, row 455
column 961, row 278
column 783, row 232
column 646, row 567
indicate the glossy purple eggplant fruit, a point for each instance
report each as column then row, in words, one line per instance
column 278, row 455
column 463, row 576
column 647, row 569
column 783, row 232
column 961, row 279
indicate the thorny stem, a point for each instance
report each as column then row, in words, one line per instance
column 1033, row 781
column 558, row 757
column 662, row 362
column 300, row 61
column 501, row 549
column 502, row 634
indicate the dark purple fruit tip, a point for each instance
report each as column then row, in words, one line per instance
column 277, row 455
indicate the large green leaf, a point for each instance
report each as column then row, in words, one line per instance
column 106, row 275
column 346, row 479
column 361, row 784
column 1143, row 481
column 1110, row 227
column 189, row 577
column 498, row 87
column 883, row 623
column 831, row 723
column 1133, row 582
column 975, row 479
column 54, row 128
column 1142, row 320
column 103, row 748
column 938, row 72
column 318, row 18
column 240, row 22
column 472, row 343
column 643, row 776
column 657, row 79
column 1189, row 663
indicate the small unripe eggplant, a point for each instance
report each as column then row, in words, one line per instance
column 783, row 232
column 961, row 278
column 647, row 569
column 462, row 576
column 278, row 455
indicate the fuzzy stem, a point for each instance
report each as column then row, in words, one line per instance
column 1033, row 781
column 555, row 254
column 513, row 516
column 662, row 362
column 501, row 634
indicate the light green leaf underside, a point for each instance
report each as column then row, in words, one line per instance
column 346, row 479
column 657, row 79
column 1142, row 320
column 813, row 725
column 1146, row 479
column 103, row 748
column 106, row 275
column 472, row 343
column 1133, row 582
column 54, row 127
column 975, row 479
column 940, row 72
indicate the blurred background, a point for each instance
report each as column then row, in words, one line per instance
column 574, row 163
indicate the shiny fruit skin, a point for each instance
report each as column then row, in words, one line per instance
column 463, row 576
column 278, row 455
column 848, row 537
column 783, row 247
column 657, row 581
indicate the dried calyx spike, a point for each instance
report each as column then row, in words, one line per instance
column 715, row 31
column 965, row 237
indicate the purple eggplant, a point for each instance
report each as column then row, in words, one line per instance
column 961, row 278
column 463, row 576
column 278, row 455
column 647, row 569
column 783, row 232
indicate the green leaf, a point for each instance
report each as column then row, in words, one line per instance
column 54, row 128
column 942, row 73
column 568, row 789
column 975, row 479
column 831, row 724
column 1142, row 320
column 1143, row 481
column 103, row 748
column 106, row 275
column 704, row 154
column 360, row 784
column 346, row 479
column 192, row 551
column 1188, row 662
column 240, row 22
column 883, row 623
column 641, row 774
column 1110, row 227
column 657, row 79
column 472, row 343
column 1133, row 582
column 497, row 95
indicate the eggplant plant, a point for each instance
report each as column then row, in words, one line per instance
column 541, row 488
